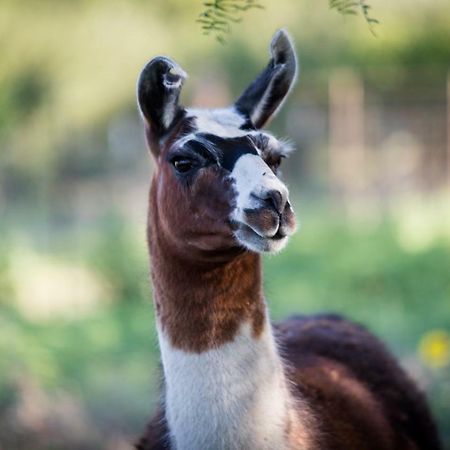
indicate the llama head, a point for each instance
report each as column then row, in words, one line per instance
column 216, row 184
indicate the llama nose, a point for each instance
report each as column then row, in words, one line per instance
column 276, row 199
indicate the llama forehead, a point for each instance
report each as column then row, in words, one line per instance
column 225, row 122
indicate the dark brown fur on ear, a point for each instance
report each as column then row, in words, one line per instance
column 158, row 91
column 262, row 99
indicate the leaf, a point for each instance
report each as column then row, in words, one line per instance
column 353, row 8
column 220, row 14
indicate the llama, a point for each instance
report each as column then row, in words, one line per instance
column 232, row 381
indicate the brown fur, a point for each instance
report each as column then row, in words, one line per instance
column 362, row 396
column 200, row 305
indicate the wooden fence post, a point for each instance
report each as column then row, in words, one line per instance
column 346, row 132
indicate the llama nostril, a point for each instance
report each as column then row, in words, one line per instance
column 277, row 200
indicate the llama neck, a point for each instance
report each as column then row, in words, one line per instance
column 225, row 383
column 228, row 398
column 201, row 307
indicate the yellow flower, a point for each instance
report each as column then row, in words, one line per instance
column 434, row 348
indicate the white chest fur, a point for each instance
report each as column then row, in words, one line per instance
column 229, row 398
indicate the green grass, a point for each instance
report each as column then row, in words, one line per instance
column 365, row 274
column 106, row 362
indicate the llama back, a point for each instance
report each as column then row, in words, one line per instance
column 350, row 379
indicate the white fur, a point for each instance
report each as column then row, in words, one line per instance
column 169, row 114
column 224, row 122
column 170, row 110
column 253, row 178
column 234, row 397
column 259, row 109
column 176, row 70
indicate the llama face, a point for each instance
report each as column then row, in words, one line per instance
column 245, row 168
column 216, row 185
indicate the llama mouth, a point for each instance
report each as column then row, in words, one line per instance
column 278, row 235
column 251, row 239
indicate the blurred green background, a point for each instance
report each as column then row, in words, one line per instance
column 370, row 118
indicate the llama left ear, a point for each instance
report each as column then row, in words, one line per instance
column 158, row 91
column 265, row 95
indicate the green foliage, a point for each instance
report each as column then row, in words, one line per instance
column 116, row 256
column 101, row 365
column 352, row 7
column 6, row 285
column 366, row 274
column 21, row 95
column 219, row 14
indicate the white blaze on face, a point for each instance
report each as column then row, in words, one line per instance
column 253, row 179
column 221, row 122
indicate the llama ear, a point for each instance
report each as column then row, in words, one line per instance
column 158, row 89
column 262, row 99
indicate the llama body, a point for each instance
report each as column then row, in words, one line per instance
column 232, row 381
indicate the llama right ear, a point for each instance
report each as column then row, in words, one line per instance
column 263, row 98
column 158, row 90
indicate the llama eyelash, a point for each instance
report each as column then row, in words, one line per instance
column 268, row 145
column 287, row 146
column 204, row 148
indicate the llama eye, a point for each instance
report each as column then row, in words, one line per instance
column 182, row 165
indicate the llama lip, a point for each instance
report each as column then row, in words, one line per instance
column 278, row 235
column 254, row 241
column 238, row 225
